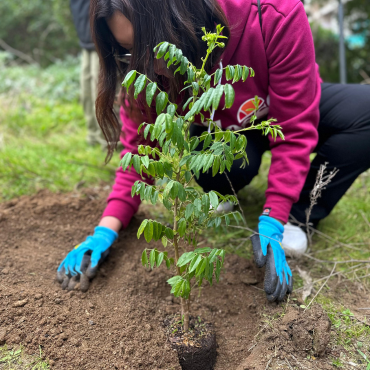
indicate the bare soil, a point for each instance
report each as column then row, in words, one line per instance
column 117, row 324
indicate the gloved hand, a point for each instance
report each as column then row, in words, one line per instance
column 81, row 264
column 268, row 251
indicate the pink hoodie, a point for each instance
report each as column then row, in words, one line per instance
column 287, row 82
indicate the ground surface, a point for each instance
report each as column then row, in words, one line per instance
column 117, row 323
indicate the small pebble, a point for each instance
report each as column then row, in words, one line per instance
column 91, row 305
column 57, row 300
column 91, row 322
column 38, row 296
column 21, row 303
column 5, row 271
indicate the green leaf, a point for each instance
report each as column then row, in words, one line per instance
column 144, row 258
column 218, row 75
column 209, row 163
column 185, row 258
column 152, row 258
column 145, row 161
column 136, row 163
column 202, row 250
column 178, row 55
column 229, row 95
column 162, row 50
column 187, row 176
column 205, row 203
column 139, row 85
column 245, row 73
column 174, row 280
column 157, row 229
column 161, row 102
column 181, row 227
column 159, row 259
column 227, row 220
column 213, row 199
column 216, row 166
column 148, row 232
column 218, row 270
column 129, row 79
column 169, row 233
column 126, row 161
column 191, row 75
column 159, row 169
column 202, row 266
column 169, row 124
column 184, row 65
column 150, row 91
column 238, row 73
column 151, row 169
column 208, row 98
column 216, row 96
column 189, row 210
column 146, row 131
column 141, row 228
column 195, row 262
column 187, row 103
column 195, row 87
column 207, row 141
column 230, row 71
column 181, row 193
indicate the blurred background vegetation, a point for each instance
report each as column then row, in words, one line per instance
column 40, row 115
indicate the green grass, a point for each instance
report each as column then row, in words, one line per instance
column 43, row 145
column 17, row 359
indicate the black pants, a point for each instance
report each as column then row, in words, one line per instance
column 344, row 142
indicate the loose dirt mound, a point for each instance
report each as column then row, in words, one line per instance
column 298, row 336
column 117, row 323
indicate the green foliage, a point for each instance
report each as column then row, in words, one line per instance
column 357, row 17
column 42, row 29
column 177, row 159
column 57, row 83
column 43, row 145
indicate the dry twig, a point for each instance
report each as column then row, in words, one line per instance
column 331, row 274
column 17, row 53
column 308, row 284
column 240, row 207
column 322, row 180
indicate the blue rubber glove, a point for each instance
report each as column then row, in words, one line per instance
column 268, row 251
column 81, row 264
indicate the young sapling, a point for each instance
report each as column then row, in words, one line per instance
column 176, row 159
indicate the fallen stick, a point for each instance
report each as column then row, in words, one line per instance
column 331, row 274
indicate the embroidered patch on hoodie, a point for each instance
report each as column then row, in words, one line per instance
column 246, row 110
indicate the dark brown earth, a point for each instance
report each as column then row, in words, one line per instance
column 117, row 324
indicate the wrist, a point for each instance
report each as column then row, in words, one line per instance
column 111, row 222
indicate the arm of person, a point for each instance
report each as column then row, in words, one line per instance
column 120, row 205
column 294, row 90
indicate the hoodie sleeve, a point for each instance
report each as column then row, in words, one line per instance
column 294, row 90
column 120, row 203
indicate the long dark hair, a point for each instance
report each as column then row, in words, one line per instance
column 176, row 21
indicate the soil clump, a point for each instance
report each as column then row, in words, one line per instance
column 298, row 337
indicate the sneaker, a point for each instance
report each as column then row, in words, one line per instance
column 225, row 207
column 294, row 240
